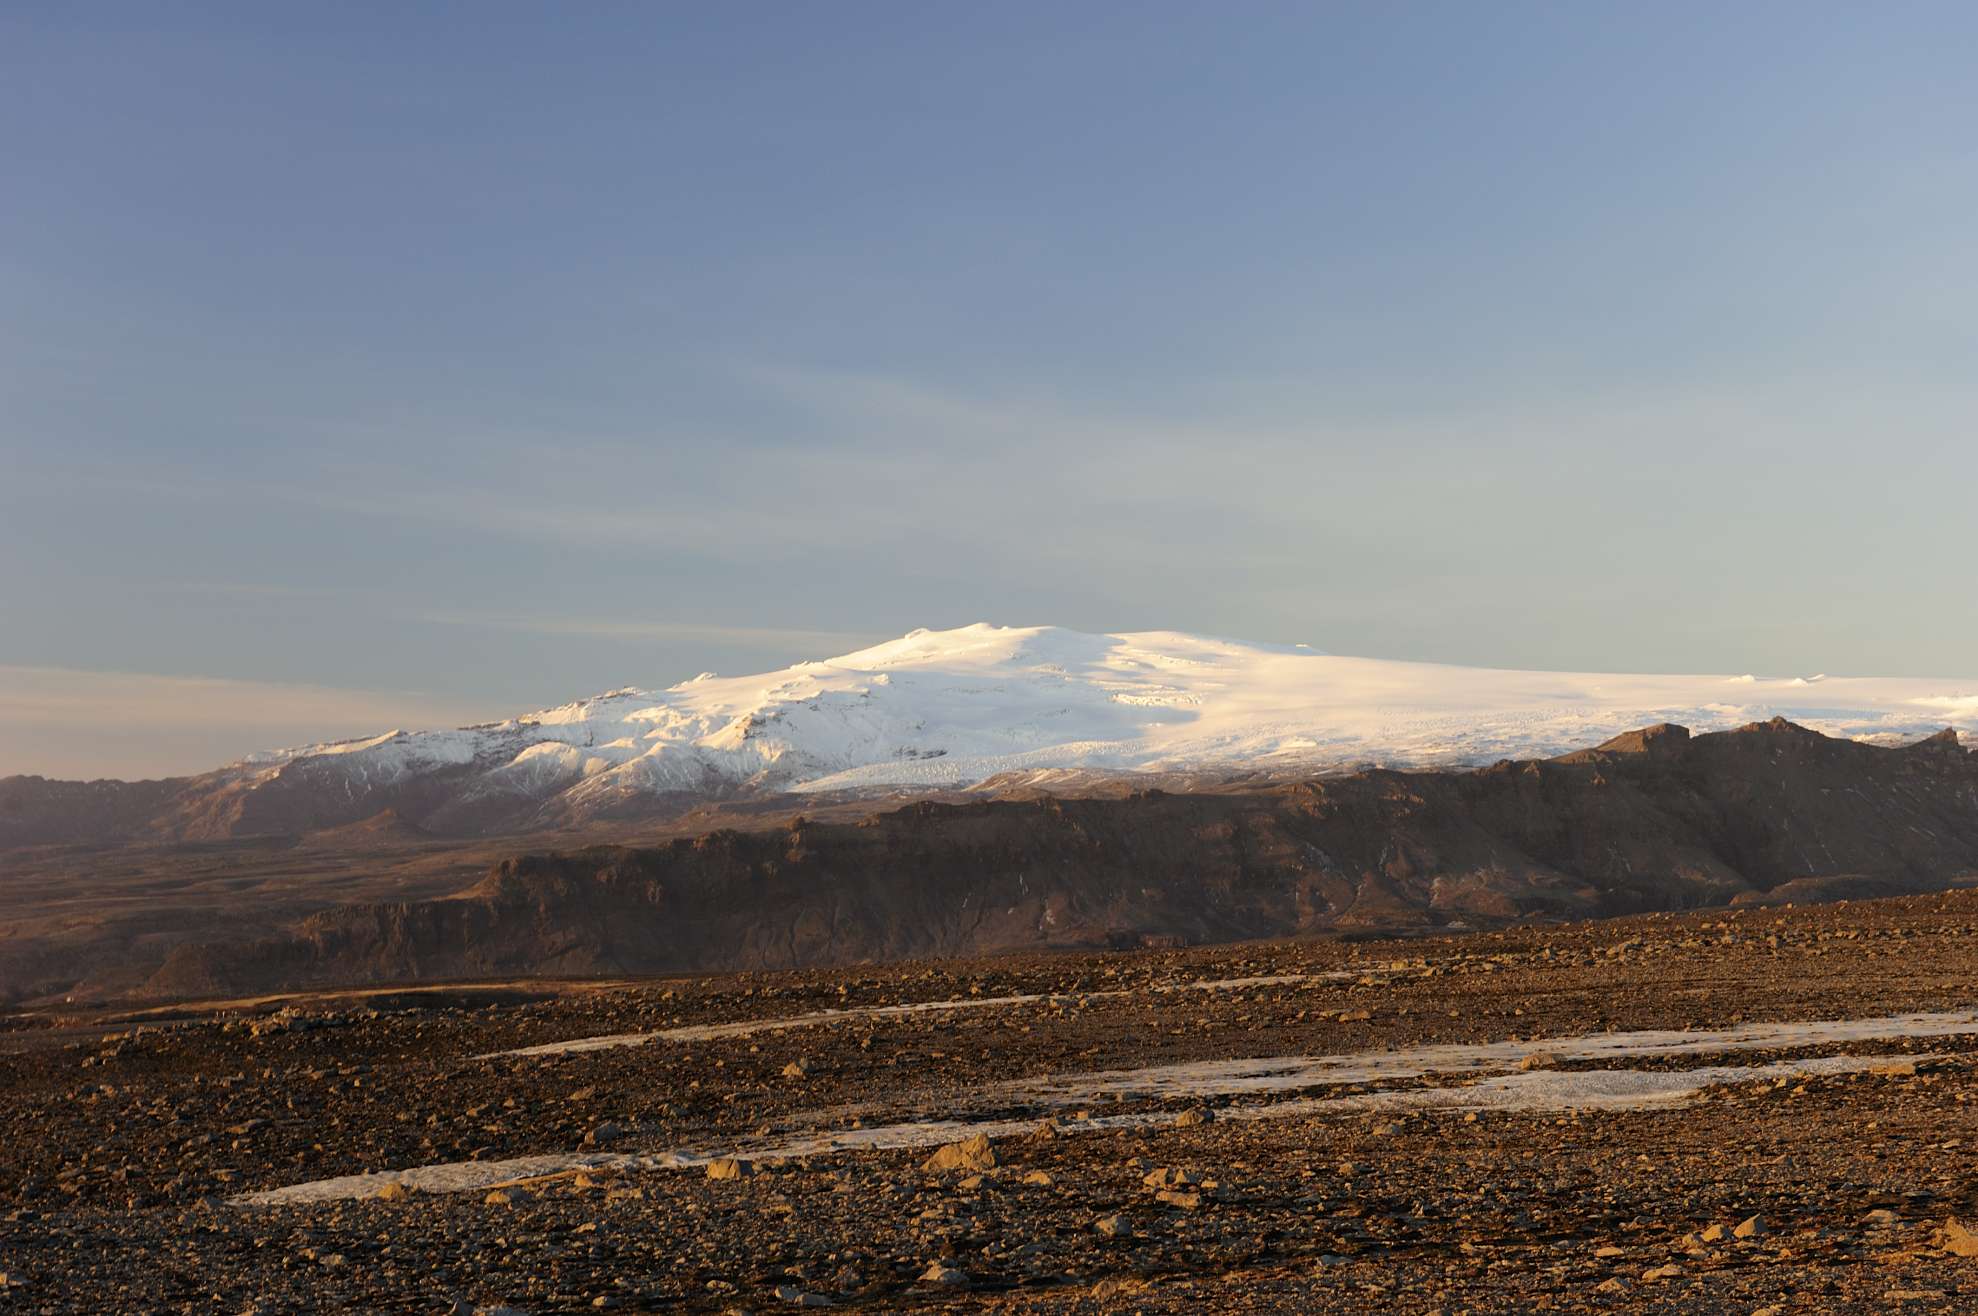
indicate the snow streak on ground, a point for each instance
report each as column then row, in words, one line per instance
column 1226, row 1078
column 952, row 708
column 1489, row 1088
column 747, row 1027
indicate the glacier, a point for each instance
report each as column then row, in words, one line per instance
column 955, row 708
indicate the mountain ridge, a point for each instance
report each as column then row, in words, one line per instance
column 946, row 710
column 1656, row 819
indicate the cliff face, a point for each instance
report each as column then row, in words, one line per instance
column 1654, row 819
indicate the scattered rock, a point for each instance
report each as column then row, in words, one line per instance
column 1527, row 1213
column 970, row 1154
column 945, row 1275
column 1957, row 1238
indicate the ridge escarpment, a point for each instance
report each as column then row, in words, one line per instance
column 1653, row 819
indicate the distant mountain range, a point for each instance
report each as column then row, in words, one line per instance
column 948, row 709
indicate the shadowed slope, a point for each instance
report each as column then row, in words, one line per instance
column 1653, row 819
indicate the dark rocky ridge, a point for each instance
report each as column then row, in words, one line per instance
column 1654, row 819
column 43, row 811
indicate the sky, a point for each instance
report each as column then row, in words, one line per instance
column 375, row 365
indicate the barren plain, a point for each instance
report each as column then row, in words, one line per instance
column 1747, row 1110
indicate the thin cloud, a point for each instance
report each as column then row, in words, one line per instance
column 821, row 643
column 229, row 589
column 67, row 722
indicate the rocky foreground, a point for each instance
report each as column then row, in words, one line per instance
column 1627, row 1115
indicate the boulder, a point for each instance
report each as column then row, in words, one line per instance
column 972, row 1154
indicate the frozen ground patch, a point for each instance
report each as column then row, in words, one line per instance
column 1490, row 1088
column 816, row 1018
column 1226, row 1078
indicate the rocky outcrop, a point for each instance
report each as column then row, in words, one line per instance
column 1655, row 819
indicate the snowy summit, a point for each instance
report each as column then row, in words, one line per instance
column 951, row 708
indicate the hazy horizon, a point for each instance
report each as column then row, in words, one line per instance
column 373, row 367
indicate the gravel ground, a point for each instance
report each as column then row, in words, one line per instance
column 128, row 1138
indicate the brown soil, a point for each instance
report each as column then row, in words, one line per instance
column 125, row 1134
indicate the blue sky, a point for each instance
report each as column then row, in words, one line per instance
column 364, row 364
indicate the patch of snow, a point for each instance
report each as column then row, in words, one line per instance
column 750, row 1027
column 1493, row 1088
column 1225, row 1078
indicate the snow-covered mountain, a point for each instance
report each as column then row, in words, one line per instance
column 952, row 708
